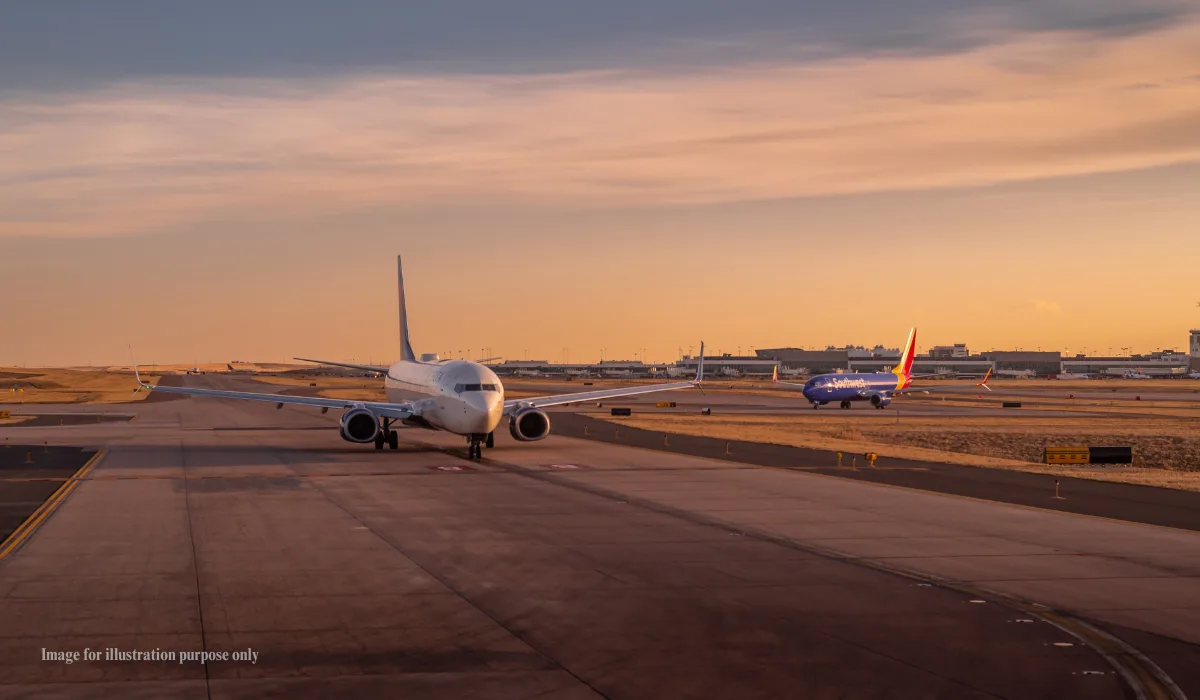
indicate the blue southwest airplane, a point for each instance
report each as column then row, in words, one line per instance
column 876, row 387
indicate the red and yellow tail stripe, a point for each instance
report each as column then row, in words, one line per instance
column 903, row 370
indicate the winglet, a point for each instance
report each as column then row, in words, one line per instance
column 700, row 366
column 985, row 378
column 136, row 373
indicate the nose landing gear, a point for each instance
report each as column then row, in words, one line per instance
column 475, row 442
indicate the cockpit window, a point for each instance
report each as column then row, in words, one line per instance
column 460, row 388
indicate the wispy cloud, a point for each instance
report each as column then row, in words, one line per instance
column 148, row 155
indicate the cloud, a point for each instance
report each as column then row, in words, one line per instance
column 152, row 154
column 1049, row 308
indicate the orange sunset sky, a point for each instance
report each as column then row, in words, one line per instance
column 213, row 181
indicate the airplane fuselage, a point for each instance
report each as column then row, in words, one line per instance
column 456, row 395
column 825, row 388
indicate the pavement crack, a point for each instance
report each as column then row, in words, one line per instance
column 187, row 501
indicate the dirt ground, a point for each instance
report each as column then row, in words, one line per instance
column 21, row 385
column 1166, row 450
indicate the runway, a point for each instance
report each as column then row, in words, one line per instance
column 564, row 568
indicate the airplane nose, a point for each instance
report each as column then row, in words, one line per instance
column 489, row 408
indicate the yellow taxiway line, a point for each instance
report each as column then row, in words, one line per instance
column 25, row 529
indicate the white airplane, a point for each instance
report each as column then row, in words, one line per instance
column 1192, row 375
column 527, row 373
column 617, row 373
column 1074, row 375
column 1134, row 374
column 730, row 372
column 458, row 396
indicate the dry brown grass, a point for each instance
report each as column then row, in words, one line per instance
column 360, row 394
column 1167, row 451
column 69, row 386
column 177, row 368
column 321, row 382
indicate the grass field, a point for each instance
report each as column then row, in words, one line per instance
column 68, row 386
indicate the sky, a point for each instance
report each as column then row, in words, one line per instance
column 234, row 180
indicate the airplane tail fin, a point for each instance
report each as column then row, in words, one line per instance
column 700, row 366
column 406, row 351
column 904, row 368
column 775, row 374
column 984, row 383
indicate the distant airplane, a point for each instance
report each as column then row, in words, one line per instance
column 876, row 387
column 527, row 373
column 1192, row 375
column 578, row 373
column 1074, row 375
column 618, row 373
column 732, row 372
column 458, row 396
column 1134, row 374
column 195, row 370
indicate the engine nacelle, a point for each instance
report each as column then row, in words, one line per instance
column 880, row 400
column 529, row 425
column 359, row 425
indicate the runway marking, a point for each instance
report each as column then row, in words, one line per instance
column 25, row 529
column 451, row 468
column 565, row 466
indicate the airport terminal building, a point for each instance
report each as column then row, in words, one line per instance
column 943, row 360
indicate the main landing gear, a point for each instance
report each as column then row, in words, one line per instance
column 476, row 442
column 845, row 404
column 387, row 436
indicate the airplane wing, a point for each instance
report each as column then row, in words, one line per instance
column 580, row 397
column 942, row 387
column 368, row 368
column 387, row 410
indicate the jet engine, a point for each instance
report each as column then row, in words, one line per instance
column 529, row 425
column 359, row 425
column 880, row 400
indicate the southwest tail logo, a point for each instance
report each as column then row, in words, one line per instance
column 903, row 370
